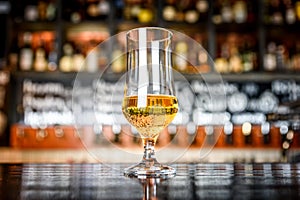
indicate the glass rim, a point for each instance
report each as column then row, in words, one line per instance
column 168, row 37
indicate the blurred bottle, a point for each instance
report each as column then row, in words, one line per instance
column 52, row 56
column 226, row 12
column 274, row 12
column 51, row 11
column 78, row 60
column 173, row 11
column 145, row 15
column 169, row 13
column 279, row 57
column 297, row 8
column 202, row 6
column 185, row 11
column 31, row 13
column 235, row 61
column 66, row 61
column 74, row 11
column 26, row 53
column 97, row 9
column 40, row 61
column 282, row 58
column 217, row 18
column 92, row 64
column 131, row 9
column 249, row 55
column 198, row 56
column 265, row 131
column 13, row 57
column 296, row 57
column 228, row 131
column 236, row 54
column 240, row 12
column 191, row 16
column 290, row 13
column 270, row 57
column 247, row 132
column 118, row 61
column 42, row 10
column 139, row 10
column 221, row 62
column 180, row 57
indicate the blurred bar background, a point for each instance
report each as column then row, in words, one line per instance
column 61, row 92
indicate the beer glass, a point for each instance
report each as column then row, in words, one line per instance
column 149, row 102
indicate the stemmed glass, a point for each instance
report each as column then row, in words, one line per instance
column 149, row 102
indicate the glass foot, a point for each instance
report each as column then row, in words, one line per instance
column 156, row 170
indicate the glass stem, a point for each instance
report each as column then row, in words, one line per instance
column 149, row 152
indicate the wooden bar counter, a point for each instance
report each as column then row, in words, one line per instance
column 193, row 181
